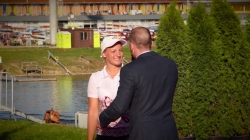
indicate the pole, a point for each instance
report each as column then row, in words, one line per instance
column 1, row 67
column 53, row 21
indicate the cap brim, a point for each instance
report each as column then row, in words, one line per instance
column 123, row 42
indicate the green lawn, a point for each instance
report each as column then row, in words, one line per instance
column 76, row 60
column 26, row 130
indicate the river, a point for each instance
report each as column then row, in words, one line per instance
column 67, row 95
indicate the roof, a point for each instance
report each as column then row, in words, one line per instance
column 230, row 1
column 90, row 1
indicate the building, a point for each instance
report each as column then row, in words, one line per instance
column 109, row 17
column 93, row 10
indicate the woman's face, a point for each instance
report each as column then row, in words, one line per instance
column 113, row 55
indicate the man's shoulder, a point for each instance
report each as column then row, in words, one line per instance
column 149, row 55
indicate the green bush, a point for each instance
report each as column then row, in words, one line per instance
column 171, row 42
column 212, row 55
column 233, row 101
column 247, row 29
column 205, row 70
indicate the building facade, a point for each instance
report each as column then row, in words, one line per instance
column 109, row 17
column 104, row 7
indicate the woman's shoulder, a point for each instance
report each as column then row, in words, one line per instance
column 97, row 74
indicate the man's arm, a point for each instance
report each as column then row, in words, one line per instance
column 122, row 101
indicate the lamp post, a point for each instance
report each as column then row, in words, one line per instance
column 1, row 67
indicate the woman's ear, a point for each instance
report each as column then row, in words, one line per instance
column 103, row 55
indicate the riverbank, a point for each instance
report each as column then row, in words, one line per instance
column 78, row 61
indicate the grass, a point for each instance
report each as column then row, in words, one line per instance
column 76, row 60
column 26, row 130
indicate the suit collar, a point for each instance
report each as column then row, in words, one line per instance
column 145, row 54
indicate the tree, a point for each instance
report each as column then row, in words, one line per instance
column 247, row 29
column 172, row 42
column 205, row 70
column 233, row 94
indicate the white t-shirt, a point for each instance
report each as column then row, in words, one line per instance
column 103, row 87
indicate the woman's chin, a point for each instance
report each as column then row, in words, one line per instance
column 118, row 64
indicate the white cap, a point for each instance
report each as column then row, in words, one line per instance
column 110, row 41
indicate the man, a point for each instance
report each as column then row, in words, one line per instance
column 147, row 87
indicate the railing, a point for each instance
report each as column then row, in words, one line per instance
column 5, row 76
column 50, row 55
column 29, row 67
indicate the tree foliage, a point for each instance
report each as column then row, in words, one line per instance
column 234, row 78
column 205, row 70
column 212, row 54
column 247, row 29
column 172, row 42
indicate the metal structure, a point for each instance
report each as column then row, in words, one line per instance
column 31, row 67
column 50, row 55
column 81, row 119
column 9, row 104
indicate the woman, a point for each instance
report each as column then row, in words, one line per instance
column 102, row 89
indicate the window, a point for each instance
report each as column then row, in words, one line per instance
column 84, row 36
column 130, row 6
column 158, row 7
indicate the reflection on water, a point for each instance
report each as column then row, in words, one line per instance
column 67, row 95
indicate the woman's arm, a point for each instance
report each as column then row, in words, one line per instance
column 93, row 114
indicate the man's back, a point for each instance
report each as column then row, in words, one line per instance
column 155, row 79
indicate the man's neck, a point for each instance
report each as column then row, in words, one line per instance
column 142, row 52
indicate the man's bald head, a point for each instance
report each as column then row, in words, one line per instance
column 141, row 38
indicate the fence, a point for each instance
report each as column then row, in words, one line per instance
column 5, row 76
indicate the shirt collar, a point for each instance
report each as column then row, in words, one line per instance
column 144, row 52
column 105, row 73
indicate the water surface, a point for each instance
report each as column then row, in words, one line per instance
column 67, row 95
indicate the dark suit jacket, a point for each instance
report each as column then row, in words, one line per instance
column 147, row 87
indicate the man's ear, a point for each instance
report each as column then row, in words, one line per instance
column 132, row 47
